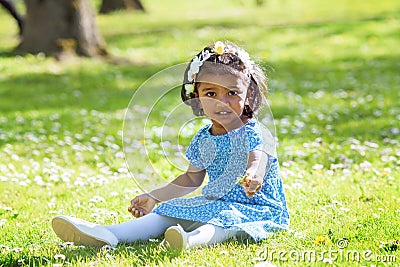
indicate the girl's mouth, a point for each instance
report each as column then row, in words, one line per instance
column 223, row 112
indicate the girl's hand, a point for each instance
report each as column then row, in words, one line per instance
column 251, row 184
column 142, row 205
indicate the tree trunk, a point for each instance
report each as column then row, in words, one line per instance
column 108, row 6
column 61, row 26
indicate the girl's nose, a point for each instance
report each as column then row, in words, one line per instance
column 223, row 100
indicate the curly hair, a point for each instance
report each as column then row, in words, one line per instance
column 228, row 62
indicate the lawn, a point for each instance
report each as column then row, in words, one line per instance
column 334, row 81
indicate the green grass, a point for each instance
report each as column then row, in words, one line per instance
column 334, row 89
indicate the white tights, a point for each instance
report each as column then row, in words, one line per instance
column 154, row 225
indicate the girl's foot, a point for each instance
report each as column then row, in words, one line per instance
column 81, row 232
column 176, row 237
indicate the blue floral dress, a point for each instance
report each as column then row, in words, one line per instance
column 224, row 202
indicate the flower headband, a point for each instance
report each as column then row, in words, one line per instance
column 219, row 49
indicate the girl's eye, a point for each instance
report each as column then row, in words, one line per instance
column 211, row 94
column 232, row 93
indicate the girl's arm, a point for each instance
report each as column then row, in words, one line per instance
column 181, row 185
column 255, row 172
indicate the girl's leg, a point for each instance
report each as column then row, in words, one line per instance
column 143, row 228
column 89, row 234
column 82, row 232
column 206, row 234
column 209, row 234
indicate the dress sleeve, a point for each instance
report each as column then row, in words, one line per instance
column 260, row 138
column 254, row 136
column 193, row 152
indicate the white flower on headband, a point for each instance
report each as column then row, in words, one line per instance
column 194, row 68
column 244, row 57
column 205, row 54
column 230, row 49
column 196, row 63
column 219, row 49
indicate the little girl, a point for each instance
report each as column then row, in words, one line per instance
column 222, row 83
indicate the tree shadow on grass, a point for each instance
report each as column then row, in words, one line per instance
column 68, row 95
column 8, row 54
column 98, row 89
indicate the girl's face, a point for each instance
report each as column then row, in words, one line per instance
column 223, row 98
